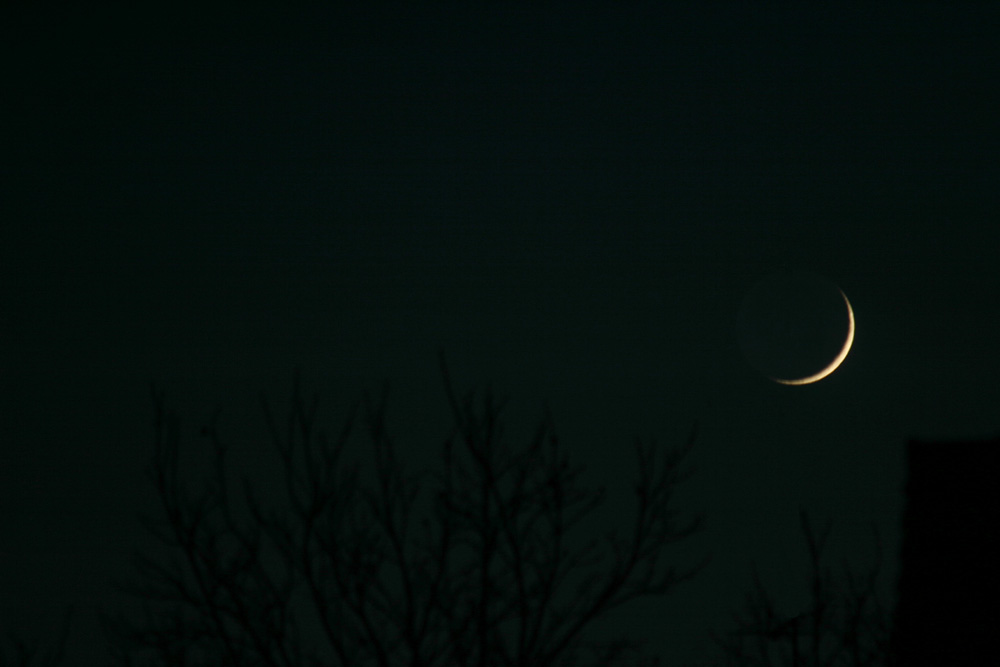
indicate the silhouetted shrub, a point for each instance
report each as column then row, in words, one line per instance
column 844, row 625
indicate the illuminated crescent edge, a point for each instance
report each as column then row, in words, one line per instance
column 839, row 359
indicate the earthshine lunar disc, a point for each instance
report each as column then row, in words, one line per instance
column 795, row 328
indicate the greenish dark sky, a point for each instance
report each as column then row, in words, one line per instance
column 570, row 202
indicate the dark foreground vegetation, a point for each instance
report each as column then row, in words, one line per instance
column 490, row 561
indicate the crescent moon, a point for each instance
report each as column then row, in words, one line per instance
column 839, row 359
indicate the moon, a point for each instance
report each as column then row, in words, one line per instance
column 796, row 328
column 839, row 359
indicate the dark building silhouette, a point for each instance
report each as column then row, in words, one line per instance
column 948, row 605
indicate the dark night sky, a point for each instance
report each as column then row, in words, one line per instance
column 570, row 203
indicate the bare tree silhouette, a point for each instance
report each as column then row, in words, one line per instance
column 845, row 624
column 478, row 583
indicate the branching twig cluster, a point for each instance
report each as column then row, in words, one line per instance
column 845, row 625
column 485, row 579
